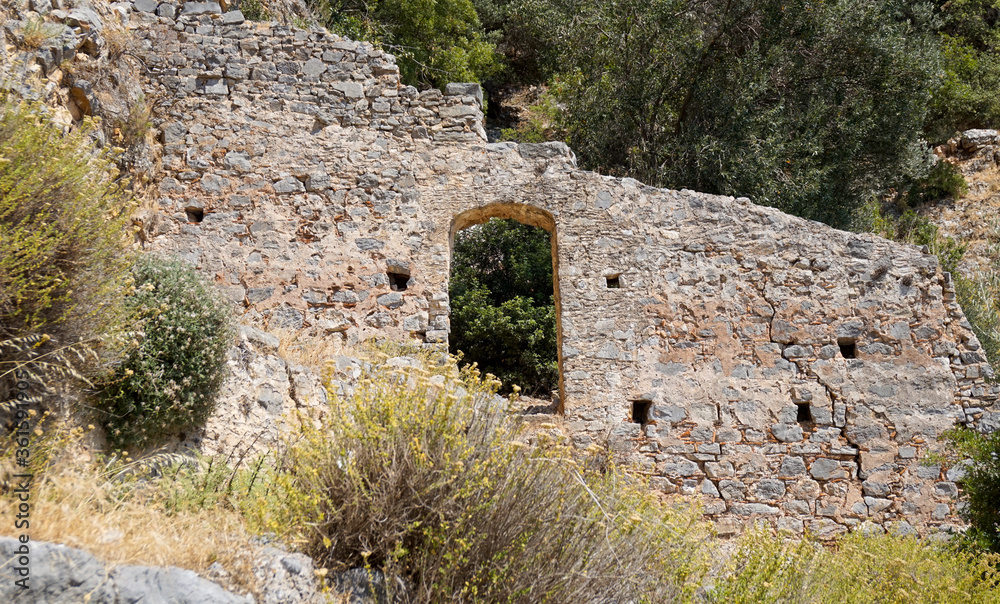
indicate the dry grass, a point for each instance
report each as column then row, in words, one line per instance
column 310, row 351
column 35, row 32
column 118, row 43
column 77, row 504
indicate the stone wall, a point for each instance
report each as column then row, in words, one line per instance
column 221, row 57
column 773, row 366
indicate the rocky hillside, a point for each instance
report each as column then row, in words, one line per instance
column 972, row 219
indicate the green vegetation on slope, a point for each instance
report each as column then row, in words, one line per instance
column 978, row 458
column 63, row 255
column 435, row 41
column 863, row 567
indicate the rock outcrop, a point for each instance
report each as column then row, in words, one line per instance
column 66, row 575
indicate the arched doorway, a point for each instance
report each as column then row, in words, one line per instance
column 532, row 217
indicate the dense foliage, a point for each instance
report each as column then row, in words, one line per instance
column 62, row 235
column 812, row 107
column 435, row 41
column 978, row 457
column 176, row 364
column 968, row 32
column 502, row 309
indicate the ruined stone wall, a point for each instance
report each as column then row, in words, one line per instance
column 775, row 367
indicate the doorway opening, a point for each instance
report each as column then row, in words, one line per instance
column 504, row 298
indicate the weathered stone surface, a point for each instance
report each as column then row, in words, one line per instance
column 827, row 469
column 544, row 150
column 461, row 89
column 66, row 575
column 151, row 584
column 200, row 8
column 166, row 10
column 145, row 6
column 975, row 139
column 234, row 17
column 58, row 574
column 288, row 577
column 351, row 90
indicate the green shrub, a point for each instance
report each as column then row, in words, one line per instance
column 63, row 245
column 435, row 41
column 860, row 569
column 131, row 128
column 254, row 10
column 62, row 225
column 913, row 228
column 966, row 93
column 541, row 123
column 943, row 180
column 172, row 373
column 979, row 296
column 419, row 474
column 513, row 340
column 979, row 456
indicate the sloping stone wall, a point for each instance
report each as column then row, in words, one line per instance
column 778, row 368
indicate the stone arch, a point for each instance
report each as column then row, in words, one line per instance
column 531, row 216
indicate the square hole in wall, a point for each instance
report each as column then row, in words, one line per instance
column 398, row 281
column 803, row 414
column 848, row 348
column 640, row 412
column 613, row 281
column 194, row 214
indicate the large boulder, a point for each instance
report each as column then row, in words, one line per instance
column 57, row 574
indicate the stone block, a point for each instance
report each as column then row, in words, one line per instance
column 201, row 8
column 465, row 89
column 210, row 183
column 769, row 489
column 289, row 185
column 174, row 132
column 754, row 509
column 458, row 111
column 792, row 466
column 544, row 150
column 787, row 433
column 973, row 140
column 351, row 90
column 732, row 490
column 145, row 6
column 233, row 17
column 827, row 469
column 391, row 300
